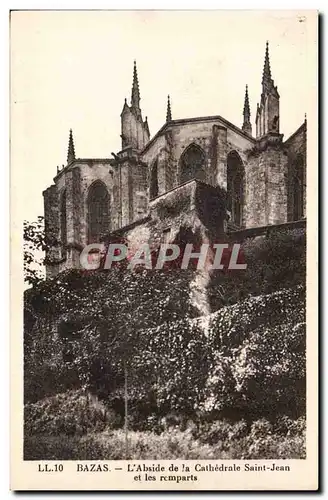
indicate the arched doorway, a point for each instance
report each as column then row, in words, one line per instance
column 98, row 211
column 235, row 188
column 192, row 164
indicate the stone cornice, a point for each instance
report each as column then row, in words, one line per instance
column 78, row 161
column 272, row 139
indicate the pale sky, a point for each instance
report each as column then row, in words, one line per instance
column 73, row 69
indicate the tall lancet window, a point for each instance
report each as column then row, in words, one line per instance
column 298, row 188
column 98, row 212
column 192, row 164
column 63, row 225
column 235, row 188
column 154, row 181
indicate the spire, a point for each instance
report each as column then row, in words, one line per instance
column 135, row 95
column 125, row 107
column 146, row 126
column 246, row 111
column 71, row 149
column 266, row 77
column 247, row 127
column 168, row 110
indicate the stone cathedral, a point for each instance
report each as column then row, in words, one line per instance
column 201, row 174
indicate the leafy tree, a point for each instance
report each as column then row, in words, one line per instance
column 36, row 243
column 34, row 247
column 100, row 316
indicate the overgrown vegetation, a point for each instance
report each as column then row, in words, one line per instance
column 274, row 262
column 169, row 445
column 34, row 246
column 243, row 366
column 100, row 438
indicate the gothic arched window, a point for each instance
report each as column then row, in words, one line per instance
column 154, row 181
column 298, row 188
column 235, row 188
column 192, row 164
column 98, row 212
column 63, row 224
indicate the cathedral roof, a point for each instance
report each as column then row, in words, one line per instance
column 297, row 131
column 78, row 161
column 182, row 121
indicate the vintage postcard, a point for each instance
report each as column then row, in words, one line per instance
column 164, row 250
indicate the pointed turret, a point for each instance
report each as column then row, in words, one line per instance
column 125, row 107
column 146, row 126
column 135, row 94
column 71, row 149
column 267, row 80
column 247, row 126
column 246, row 111
column 168, row 110
column 266, row 77
column 134, row 130
column 267, row 117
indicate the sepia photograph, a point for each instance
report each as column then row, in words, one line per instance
column 163, row 205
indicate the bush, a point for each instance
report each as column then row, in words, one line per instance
column 153, row 296
column 246, row 359
column 70, row 413
column 263, row 376
column 80, row 326
column 223, row 441
column 222, row 431
column 274, row 262
column 230, row 325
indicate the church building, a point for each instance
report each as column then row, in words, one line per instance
column 201, row 175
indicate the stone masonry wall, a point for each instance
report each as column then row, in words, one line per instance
column 214, row 136
column 91, row 171
column 76, row 180
column 296, row 145
column 266, row 188
column 138, row 175
column 194, row 206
